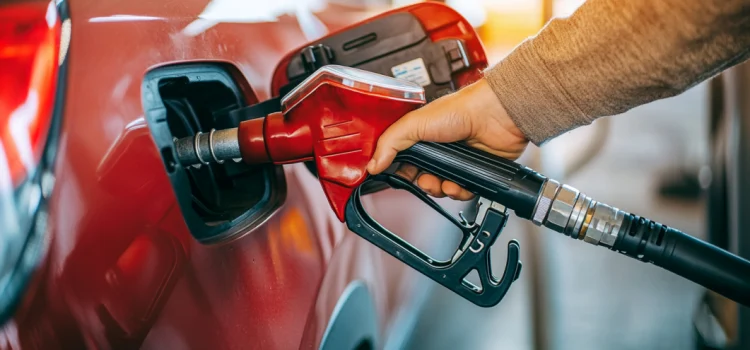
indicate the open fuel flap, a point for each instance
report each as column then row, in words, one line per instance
column 428, row 43
column 219, row 202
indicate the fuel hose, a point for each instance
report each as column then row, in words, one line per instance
column 564, row 209
column 544, row 201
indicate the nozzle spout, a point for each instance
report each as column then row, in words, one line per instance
column 216, row 146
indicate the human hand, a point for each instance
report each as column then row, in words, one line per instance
column 473, row 114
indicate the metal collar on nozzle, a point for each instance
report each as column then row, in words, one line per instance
column 355, row 79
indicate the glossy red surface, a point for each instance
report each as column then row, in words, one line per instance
column 253, row 147
column 336, row 126
column 29, row 43
column 438, row 20
column 121, row 269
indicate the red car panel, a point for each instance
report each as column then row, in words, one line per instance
column 121, row 268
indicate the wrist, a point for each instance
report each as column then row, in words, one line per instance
column 485, row 104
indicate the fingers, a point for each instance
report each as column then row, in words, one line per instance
column 431, row 184
column 407, row 171
column 451, row 118
column 439, row 121
column 455, row 191
column 398, row 137
column 440, row 188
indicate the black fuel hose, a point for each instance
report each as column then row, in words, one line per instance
column 566, row 210
column 687, row 256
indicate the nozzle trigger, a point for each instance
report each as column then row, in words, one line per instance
column 473, row 252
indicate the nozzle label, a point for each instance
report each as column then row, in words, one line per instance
column 413, row 71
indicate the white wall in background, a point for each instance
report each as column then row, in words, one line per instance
column 564, row 8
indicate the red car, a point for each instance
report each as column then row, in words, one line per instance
column 107, row 242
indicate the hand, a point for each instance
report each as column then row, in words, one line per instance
column 473, row 114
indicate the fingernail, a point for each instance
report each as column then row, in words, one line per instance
column 371, row 165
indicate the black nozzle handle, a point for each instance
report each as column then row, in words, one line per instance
column 484, row 174
column 684, row 255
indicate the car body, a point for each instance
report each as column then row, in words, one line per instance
column 117, row 266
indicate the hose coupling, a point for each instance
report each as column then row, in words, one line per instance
column 566, row 210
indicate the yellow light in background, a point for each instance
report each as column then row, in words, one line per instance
column 503, row 24
column 508, row 23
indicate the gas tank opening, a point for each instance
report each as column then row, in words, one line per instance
column 220, row 192
column 217, row 200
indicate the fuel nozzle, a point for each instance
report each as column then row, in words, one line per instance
column 334, row 117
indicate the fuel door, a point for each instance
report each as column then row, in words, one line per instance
column 220, row 202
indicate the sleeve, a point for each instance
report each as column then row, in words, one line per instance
column 613, row 55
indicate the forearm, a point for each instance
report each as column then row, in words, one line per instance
column 613, row 55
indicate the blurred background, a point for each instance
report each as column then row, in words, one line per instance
column 589, row 298
column 654, row 160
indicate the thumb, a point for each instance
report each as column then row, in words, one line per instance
column 399, row 136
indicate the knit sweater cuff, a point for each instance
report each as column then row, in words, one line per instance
column 532, row 95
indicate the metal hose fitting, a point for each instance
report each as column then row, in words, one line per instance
column 564, row 209
column 216, row 146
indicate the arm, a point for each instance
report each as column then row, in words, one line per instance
column 613, row 55
column 608, row 57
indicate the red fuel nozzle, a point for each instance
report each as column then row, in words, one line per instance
column 334, row 118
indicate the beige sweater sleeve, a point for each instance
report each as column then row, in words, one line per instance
column 613, row 55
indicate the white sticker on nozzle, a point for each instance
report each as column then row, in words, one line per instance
column 413, row 71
